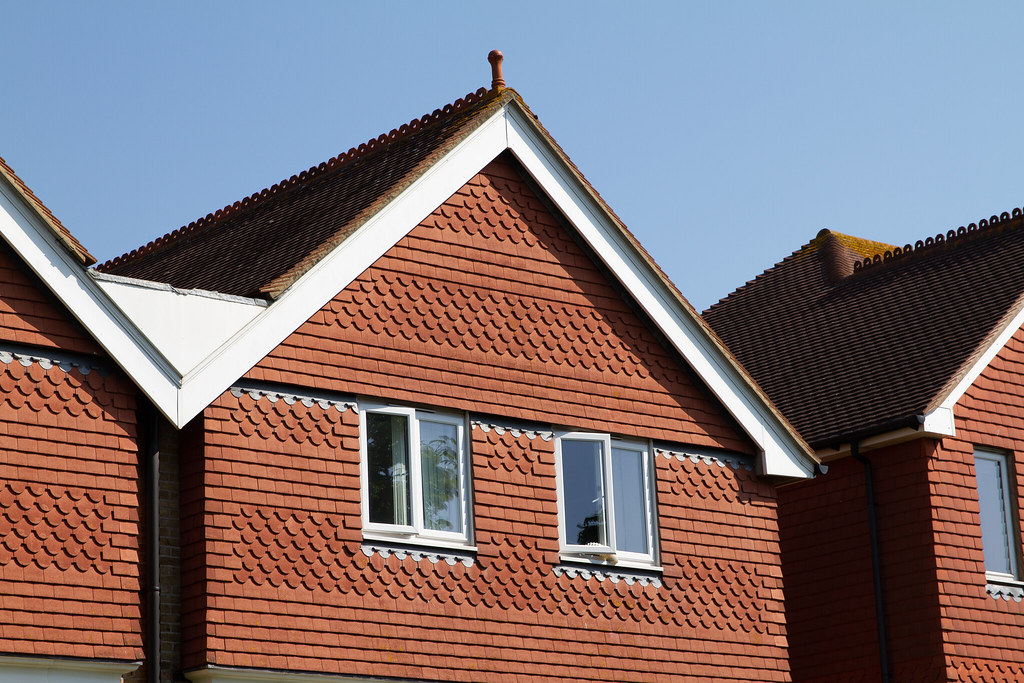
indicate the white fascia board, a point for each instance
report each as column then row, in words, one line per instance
column 55, row 670
column 338, row 269
column 84, row 299
column 986, row 357
column 185, row 325
column 938, row 423
column 217, row 674
column 781, row 454
column 940, row 427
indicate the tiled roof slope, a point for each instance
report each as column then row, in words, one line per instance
column 847, row 343
column 263, row 243
column 63, row 234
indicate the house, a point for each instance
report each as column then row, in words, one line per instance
column 901, row 367
column 426, row 411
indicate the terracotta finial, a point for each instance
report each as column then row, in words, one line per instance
column 497, row 79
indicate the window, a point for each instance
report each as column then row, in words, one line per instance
column 414, row 481
column 998, row 530
column 605, row 497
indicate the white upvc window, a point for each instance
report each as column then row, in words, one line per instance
column 605, row 499
column 413, row 469
column 994, row 477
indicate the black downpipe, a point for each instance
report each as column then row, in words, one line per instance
column 153, row 544
column 876, row 560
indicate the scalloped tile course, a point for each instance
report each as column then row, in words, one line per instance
column 69, row 564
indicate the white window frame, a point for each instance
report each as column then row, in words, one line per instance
column 609, row 554
column 1007, row 508
column 415, row 532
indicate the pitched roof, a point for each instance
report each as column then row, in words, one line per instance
column 261, row 244
column 63, row 235
column 849, row 343
column 851, row 337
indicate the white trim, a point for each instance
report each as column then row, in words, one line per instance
column 39, row 248
column 56, row 670
column 216, row 674
column 939, row 423
column 986, row 357
column 164, row 287
column 185, row 325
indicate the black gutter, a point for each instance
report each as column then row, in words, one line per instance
column 876, row 560
column 152, row 458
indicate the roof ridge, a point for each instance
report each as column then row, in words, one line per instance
column 940, row 239
column 353, row 155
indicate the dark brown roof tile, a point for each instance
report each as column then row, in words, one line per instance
column 261, row 244
column 849, row 336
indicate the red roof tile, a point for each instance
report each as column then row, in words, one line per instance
column 850, row 337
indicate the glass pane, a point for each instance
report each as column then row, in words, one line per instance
column 439, row 464
column 995, row 538
column 583, row 484
column 630, row 504
column 387, row 456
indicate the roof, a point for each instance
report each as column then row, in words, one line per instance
column 63, row 235
column 261, row 244
column 852, row 338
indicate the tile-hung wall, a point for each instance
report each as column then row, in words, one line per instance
column 405, row 517
column 69, row 572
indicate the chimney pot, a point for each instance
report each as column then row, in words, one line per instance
column 497, row 78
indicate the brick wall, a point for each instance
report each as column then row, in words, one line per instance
column 984, row 636
column 830, row 601
column 286, row 582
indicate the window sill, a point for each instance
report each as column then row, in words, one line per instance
column 418, row 549
column 1004, row 587
column 630, row 572
column 416, row 542
column 613, row 563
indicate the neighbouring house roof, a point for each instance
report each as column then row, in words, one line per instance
column 63, row 235
column 851, row 337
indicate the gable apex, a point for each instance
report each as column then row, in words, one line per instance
column 513, row 128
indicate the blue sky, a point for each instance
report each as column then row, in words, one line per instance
column 724, row 134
